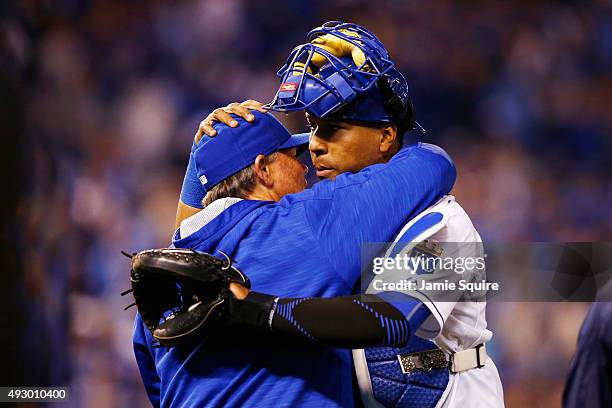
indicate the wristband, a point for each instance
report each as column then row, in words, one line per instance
column 253, row 311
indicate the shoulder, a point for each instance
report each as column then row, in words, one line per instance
column 445, row 221
column 458, row 226
column 445, row 213
column 433, row 150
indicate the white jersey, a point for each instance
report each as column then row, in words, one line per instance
column 453, row 325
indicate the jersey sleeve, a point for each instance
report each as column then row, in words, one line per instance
column 146, row 363
column 372, row 205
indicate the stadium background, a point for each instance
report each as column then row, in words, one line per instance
column 103, row 98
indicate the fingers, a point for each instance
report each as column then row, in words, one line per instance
column 254, row 105
column 238, row 290
column 244, row 109
column 240, row 110
column 222, row 115
column 206, row 126
column 201, row 130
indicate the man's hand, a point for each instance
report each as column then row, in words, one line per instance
column 223, row 115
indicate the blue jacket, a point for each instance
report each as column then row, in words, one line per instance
column 308, row 244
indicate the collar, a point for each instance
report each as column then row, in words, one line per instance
column 206, row 215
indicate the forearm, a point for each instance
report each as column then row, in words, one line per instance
column 346, row 322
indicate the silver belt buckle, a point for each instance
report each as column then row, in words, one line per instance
column 422, row 361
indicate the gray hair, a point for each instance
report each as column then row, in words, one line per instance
column 239, row 185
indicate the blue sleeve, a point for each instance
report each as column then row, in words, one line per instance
column 146, row 363
column 192, row 192
column 373, row 204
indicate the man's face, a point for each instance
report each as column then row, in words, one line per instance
column 337, row 146
column 288, row 173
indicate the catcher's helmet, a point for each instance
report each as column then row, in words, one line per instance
column 370, row 89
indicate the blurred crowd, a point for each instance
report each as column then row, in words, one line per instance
column 113, row 91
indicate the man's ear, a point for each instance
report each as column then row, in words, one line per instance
column 388, row 138
column 263, row 170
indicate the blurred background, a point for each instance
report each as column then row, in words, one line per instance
column 100, row 101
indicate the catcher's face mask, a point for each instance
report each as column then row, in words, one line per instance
column 316, row 79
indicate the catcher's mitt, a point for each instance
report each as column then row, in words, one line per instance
column 180, row 293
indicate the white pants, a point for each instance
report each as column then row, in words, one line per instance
column 475, row 388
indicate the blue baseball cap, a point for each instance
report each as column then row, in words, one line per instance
column 234, row 149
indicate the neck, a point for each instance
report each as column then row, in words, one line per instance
column 392, row 152
column 262, row 193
